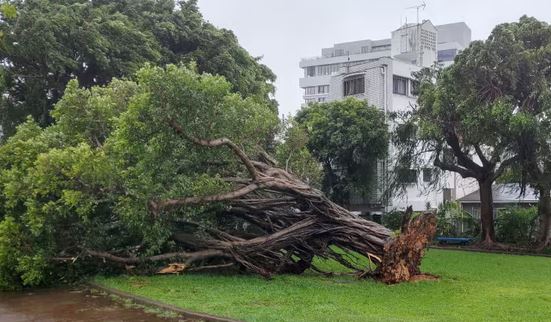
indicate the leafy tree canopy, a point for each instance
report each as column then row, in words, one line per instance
column 470, row 114
column 293, row 155
column 45, row 43
column 347, row 137
column 86, row 181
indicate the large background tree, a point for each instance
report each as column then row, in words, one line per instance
column 527, row 84
column 293, row 155
column 466, row 114
column 348, row 137
column 47, row 43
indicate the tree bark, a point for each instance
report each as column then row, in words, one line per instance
column 486, row 212
column 544, row 212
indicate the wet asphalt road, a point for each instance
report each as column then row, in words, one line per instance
column 58, row 305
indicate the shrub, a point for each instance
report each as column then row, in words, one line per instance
column 516, row 225
column 453, row 221
column 393, row 220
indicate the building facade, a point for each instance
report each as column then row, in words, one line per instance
column 380, row 71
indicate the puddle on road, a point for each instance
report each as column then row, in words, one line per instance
column 58, row 305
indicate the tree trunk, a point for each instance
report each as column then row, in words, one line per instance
column 544, row 212
column 486, row 213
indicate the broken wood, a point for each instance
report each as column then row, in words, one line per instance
column 403, row 254
column 173, row 268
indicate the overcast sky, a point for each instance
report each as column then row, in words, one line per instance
column 284, row 31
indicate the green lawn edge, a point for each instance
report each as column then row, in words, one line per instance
column 473, row 287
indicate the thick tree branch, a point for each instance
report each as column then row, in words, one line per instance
column 504, row 165
column 462, row 158
column 465, row 173
column 215, row 143
column 189, row 257
column 485, row 162
column 168, row 203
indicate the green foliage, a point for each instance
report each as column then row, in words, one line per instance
column 293, row 155
column 88, row 115
column 453, row 221
column 46, row 43
column 85, row 182
column 487, row 112
column 8, row 10
column 347, row 137
column 10, row 245
column 516, row 225
column 393, row 220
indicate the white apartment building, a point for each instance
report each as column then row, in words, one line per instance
column 380, row 71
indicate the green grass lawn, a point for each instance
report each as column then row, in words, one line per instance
column 473, row 287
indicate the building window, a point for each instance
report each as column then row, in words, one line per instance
column 447, row 194
column 404, row 44
column 408, row 176
column 447, row 55
column 414, row 87
column 400, row 85
column 380, row 48
column 309, row 100
column 323, row 89
column 310, row 71
column 365, row 49
column 427, row 174
column 310, row 90
column 321, row 99
column 327, row 69
column 339, row 52
column 354, row 85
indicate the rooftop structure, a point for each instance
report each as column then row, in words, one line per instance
column 418, row 44
column 380, row 71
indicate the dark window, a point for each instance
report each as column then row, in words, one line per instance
column 310, row 71
column 400, row 85
column 339, row 52
column 414, row 87
column 380, row 48
column 310, row 90
column 354, row 85
column 323, row 89
column 408, row 176
column 447, row 55
column 447, row 194
column 427, row 174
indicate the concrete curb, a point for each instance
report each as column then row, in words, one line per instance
column 149, row 302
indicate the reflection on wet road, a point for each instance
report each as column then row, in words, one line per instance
column 68, row 305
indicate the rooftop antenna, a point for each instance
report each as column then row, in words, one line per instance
column 423, row 5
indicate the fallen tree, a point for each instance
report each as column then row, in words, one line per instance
column 297, row 223
column 168, row 170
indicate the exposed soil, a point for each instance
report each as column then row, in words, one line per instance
column 57, row 305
